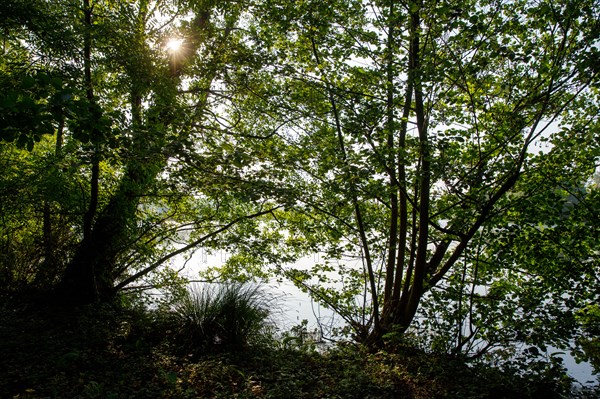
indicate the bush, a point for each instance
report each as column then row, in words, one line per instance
column 230, row 316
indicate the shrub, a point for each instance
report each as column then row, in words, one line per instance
column 230, row 316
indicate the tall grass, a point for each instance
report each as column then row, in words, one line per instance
column 230, row 315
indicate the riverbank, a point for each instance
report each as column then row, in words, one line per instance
column 102, row 352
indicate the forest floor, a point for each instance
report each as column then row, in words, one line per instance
column 49, row 352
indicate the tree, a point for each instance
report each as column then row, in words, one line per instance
column 409, row 125
column 39, row 202
column 530, row 278
column 140, row 122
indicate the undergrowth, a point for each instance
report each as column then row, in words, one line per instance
column 111, row 352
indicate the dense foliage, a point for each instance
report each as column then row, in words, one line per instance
column 438, row 156
column 132, row 176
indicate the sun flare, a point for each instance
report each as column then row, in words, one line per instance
column 174, row 44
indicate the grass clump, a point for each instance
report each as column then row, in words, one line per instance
column 228, row 316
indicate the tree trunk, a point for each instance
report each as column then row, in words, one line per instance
column 90, row 276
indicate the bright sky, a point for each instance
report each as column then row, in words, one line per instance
column 174, row 44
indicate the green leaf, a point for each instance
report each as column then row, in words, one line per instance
column 27, row 82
